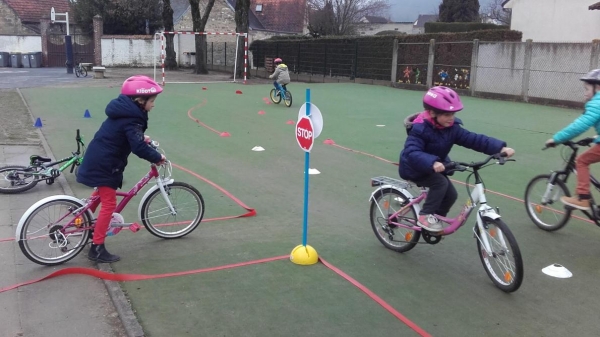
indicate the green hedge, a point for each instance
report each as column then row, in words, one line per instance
column 459, row 27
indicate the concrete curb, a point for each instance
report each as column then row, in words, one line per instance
column 119, row 300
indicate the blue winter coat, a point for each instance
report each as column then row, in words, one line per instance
column 119, row 135
column 590, row 117
column 427, row 144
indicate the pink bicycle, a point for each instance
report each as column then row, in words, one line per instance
column 394, row 212
column 55, row 229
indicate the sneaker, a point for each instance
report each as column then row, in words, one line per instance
column 582, row 204
column 430, row 222
column 98, row 253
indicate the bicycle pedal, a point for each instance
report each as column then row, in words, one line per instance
column 135, row 227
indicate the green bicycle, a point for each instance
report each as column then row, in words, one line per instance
column 15, row 178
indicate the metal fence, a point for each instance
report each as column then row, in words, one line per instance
column 529, row 71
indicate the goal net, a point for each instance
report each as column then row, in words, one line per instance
column 221, row 50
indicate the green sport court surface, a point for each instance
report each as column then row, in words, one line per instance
column 442, row 289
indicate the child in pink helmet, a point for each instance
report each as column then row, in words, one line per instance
column 431, row 135
column 106, row 156
column 281, row 75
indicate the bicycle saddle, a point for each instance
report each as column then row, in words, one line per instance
column 37, row 158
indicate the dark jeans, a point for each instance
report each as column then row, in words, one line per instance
column 441, row 196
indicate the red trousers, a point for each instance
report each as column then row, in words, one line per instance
column 582, row 164
column 108, row 202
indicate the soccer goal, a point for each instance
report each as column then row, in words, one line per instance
column 221, row 61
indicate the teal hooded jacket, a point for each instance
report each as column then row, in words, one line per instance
column 590, row 117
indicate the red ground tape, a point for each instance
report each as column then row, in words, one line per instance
column 136, row 277
column 377, row 299
column 199, row 122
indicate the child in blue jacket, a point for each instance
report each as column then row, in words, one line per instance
column 106, row 156
column 590, row 117
column 431, row 136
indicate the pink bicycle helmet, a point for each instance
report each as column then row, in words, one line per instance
column 442, row 99
column 278, row 60
column 139, row 85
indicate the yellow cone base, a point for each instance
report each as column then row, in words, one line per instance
column 304, row 255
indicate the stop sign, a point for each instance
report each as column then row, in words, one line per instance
column 305, row 133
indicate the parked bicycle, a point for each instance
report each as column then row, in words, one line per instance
column 15, row 178
column 55, row 229
column 80, row 70
column 542, row 194
column 276, row 96
column 394, row 214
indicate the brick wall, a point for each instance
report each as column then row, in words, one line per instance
column 10, row 24
column 221, row 19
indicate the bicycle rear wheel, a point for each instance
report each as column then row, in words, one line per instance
column 503, row 264
column 77, row 72
column 275, row 96
column 385, row 203
column 15, row 179
column 84, row 72
column 288, row 99
column 47, row 238
column 543, row 205
column 158, row 219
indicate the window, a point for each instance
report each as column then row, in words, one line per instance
column 259, row 7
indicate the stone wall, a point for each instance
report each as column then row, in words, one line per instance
column 10, row 24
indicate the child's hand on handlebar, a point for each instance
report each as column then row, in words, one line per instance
column 508, row 151
column 162, row 160
column 438, row 167
column 550, row 143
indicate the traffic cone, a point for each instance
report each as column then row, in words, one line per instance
column 239, row 92
column 38, row 123
column 329, row 141
column 87, row 114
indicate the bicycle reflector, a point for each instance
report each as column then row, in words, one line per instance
column 78, row 222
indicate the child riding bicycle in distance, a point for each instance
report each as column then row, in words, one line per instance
column 431, row 135
column 281, row 75
column 589, row 118
column 106, row 157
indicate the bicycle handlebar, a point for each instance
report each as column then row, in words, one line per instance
column 573, row 145
column 462, row 166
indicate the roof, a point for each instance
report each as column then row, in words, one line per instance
column 34, row 10
column 253, row 22
column 281, row 15
column 422, row 19
column 594, row 6
column 376, row 19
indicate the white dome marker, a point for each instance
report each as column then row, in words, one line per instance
column 557, row 270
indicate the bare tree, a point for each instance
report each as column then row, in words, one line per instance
column 167, row 16
column 242, row 8
column 495, row 11
column 346, row 13
column 199, row 22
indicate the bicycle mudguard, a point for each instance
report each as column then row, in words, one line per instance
column 40, row 203
column 399, row 190
column 152, row 189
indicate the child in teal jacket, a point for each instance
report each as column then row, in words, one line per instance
column 590, row 118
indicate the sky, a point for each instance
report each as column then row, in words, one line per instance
column 409, row 10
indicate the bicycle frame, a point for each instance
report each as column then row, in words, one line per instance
column 563, row 175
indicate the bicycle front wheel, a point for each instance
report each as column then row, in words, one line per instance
column 47, row 238
column 15, row 179
column 77, row 72
column 503, row 263
column 160, row 221
column 384, row 204
column 275, row 96
column 543, row 205
column 288, row 99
